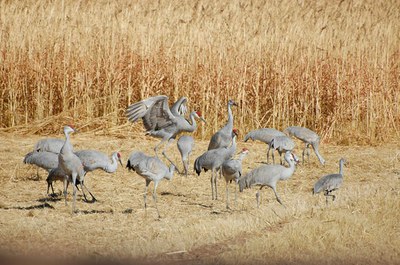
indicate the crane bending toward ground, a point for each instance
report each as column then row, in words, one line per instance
column 151, row 168
column 185, row 146
column 93, row 159
column 282, row 144
column 45, row 160
column 232, row 171
column 70, row 164
column 52, row 145
column 162, row 122
column 269, row 175
column 223, row 137
column 213, row 160
column 264, row 135
column 330, row 182
column 309, row 138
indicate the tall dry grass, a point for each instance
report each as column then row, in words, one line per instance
column 329, row 65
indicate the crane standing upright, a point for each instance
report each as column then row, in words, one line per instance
column 70, row 164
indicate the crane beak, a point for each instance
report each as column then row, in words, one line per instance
column 201, row 118
column 119, row 159
column 235, row 104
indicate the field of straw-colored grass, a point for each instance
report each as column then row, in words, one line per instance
column 360, row 227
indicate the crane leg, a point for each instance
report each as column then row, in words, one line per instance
column 304, row 150
column 65, row 189
column 227, row 195
column 186, row 167
column 93, row 198
column 215, row 185
column 145, row 196
column 273, row 156
column 155, row 198
column 212, row 184
column 164, row 153
column 277, row 197
column 308, row 153
column 269, row 149
column 258, row 198
column 158, row 146
column 74, row 192
column 235, row 194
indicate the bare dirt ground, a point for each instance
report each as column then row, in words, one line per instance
column 360, row 227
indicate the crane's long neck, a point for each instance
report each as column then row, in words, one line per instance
column 242, row 156
column 229, row 125
column 315, row 146
column 112, row 167
column 193, row 122
column 341, row 167
column 232, row 148
column 170, row 173
column 288, row 171
column 67, row 147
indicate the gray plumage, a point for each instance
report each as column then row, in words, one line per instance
column 223, row 137
column 269, row 175
column 185, row 146
column 264, row 135
column 151, row 168
column 309, row 138
column 213, row 160
column 53, row 145
column 282, row 144
column 160, row 121
column 45, row 160
column 330, row 182
column 70, row 164
column 93, row 159
column 232, row 171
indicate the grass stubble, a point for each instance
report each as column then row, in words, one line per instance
column 361, row 226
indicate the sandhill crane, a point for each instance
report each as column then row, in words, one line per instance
column 70, row 164
column 92, row 160
column 213, row 159
column 232, row 170
column 282, row 144
column 53, row 145
column 223, row 137
column 45, row 160
column 58, row 174
column 269, row 175
column 309, row 138
column 185, row 146
column 330, row 182
column 264, row 135
column 151, row 168
column 160, row 121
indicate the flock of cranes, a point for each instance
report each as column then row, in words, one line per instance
column 63, row 163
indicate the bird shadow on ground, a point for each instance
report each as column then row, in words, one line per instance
column 49, row 199
column 166, row 193
column 32, row 207
column 198, row 204
column 95, row 211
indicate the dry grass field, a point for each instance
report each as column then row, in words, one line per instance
column 360, row 227
column 330, row 65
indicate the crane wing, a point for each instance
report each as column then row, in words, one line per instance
column 154, row 112
column 179, row 108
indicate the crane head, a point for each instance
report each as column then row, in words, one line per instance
column 198, row 113
column 119, row 157
column 235, row 132
column 245, row 150
column 69, row 129
column 232, row 103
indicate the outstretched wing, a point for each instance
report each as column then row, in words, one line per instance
column 154, row 112
column 179, row 108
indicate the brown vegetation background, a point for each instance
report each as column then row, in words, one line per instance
column 332, row 66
